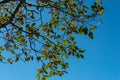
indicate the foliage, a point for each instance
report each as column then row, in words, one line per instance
column 26, row 35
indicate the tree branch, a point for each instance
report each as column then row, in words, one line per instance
column 13, row 15
column 7, row 1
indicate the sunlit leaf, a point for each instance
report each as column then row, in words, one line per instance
column 21, row 39
column 1, row 48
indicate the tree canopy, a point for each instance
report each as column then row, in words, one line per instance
column 45, row 31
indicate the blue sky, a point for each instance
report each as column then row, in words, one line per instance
column 101, row 61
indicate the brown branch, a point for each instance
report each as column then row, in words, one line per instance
column 13, row 15
column 32, row 33
column 33, row 5
column 7, row 1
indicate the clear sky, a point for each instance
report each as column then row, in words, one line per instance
column 102, row 59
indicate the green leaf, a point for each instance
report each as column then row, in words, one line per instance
column 27, row 59
column 81, row 56
column 81, row 30
column 1, row 48
column 20, row 39
column 90, row 35
column 38, row 58
column 44, row 78
column 38, row 76
column 81, row 50
column 85, row 30
column 85, row 7
column 1, row 58
column 63, row 28
column 16, row 58
column 12, row 51
column 92, row 28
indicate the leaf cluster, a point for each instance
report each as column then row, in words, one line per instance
column 27, row 35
